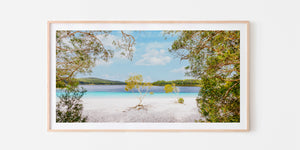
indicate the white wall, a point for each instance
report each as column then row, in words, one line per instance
column 274, row 73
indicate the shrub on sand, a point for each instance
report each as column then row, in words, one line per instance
column 180, row 100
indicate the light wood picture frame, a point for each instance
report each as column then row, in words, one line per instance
column 209, row 57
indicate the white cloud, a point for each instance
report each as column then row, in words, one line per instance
column 154, row 57
column 155, row 45
column 179, row 70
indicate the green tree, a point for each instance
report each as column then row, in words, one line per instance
column 136, row 82
column 214, row 59
column 78, row 52
column 168, row 88
column 172, row 89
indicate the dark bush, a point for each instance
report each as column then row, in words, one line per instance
column 69, row 107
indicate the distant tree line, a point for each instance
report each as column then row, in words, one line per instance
column 186, row 82
column 98, row 81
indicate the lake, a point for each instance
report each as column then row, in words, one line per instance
column 119, row 91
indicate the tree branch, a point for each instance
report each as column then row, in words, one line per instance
column 227, row 92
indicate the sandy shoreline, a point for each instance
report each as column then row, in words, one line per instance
column 157, row 110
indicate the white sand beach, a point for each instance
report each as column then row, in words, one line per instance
column 158, row 109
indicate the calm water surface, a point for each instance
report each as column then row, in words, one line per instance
column 119, row 91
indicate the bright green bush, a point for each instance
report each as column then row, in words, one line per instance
column 181, row 100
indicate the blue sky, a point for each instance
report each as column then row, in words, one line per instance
column 151, row 59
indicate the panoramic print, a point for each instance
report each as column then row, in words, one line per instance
column 147, row 76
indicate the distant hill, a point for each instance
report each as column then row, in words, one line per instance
column 98, row 81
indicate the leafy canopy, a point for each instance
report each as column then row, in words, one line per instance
column 168, row 88
column 79, row 51
column 171, row 88
column 214, row 59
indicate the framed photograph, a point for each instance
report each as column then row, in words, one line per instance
column 148, row 76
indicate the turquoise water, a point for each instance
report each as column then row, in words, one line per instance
column 129, row 94
column 118, row 91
